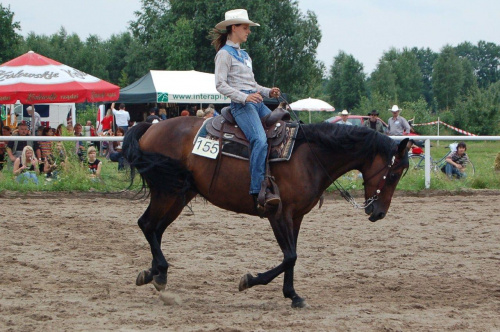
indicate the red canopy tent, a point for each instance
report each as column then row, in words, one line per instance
column 32, row 78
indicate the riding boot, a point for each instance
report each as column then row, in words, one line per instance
column 271, row 198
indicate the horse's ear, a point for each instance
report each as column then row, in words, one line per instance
column 404, row 145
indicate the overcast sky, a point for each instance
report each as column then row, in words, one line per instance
column 363, row 28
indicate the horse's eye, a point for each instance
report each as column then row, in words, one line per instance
column 393, row 177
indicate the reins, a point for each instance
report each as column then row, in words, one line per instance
column 343, row 192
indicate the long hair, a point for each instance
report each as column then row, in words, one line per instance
column 219, row 38
column 23, row 155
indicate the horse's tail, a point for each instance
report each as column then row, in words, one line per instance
column 158, row 172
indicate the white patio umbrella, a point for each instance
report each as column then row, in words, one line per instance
column 311, row 105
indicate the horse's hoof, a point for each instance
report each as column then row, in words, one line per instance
column 244, row 282
column 143, row 278
column 299, row 302
column 159, row 286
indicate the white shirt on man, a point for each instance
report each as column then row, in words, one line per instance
column 122, row 118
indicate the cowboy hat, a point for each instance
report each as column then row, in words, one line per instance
column 236, row 16
column 344, row 112
column 394, row 108
column 373, row 112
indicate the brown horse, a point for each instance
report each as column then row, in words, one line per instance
column 161, row 153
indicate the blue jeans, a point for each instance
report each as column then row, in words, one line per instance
column 27, row 177
column 248, row 119
column 117, row 157
column 451, row 171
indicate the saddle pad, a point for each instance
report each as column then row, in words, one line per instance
column 280, row 152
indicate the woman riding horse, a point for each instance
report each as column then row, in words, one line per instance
column 234, row 79
column 161, row 153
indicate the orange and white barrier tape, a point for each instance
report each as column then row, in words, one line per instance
column 461, row 131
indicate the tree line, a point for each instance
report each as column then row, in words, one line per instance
column 459, row 83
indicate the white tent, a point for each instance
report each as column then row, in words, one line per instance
column 311, row 104
column 162, row 86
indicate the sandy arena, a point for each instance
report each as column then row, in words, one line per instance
column 69, row 263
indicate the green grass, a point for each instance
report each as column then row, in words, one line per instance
column 75, row 178
column 482, row 154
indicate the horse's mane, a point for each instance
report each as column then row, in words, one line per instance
column 356, row 141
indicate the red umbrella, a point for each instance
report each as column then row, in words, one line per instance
column 34, row 79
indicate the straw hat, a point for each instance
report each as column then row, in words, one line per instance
column 236, row 16
column 394, row 108
column 344, row 112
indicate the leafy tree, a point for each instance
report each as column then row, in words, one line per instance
column 347, row 81
column 398, row 76
column 9, row 38
column 174, row 34
column 485, row 59
column 426, row 58
column 447, row 77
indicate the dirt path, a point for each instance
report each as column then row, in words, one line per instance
column 69, row 264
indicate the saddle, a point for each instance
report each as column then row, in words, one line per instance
column 280, row 133
column 225, row 128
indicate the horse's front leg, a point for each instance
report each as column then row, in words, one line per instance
column 288, row 288
column 283, row 231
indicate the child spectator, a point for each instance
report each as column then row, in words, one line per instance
column 94, row 164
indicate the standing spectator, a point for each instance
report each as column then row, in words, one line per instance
column 374, row 122
column 344, row 115
column 209, row 113
column 26, row 166
column 200, row 113
column 94, row 164
column 38, row 120
column 152, row 115
column 162, row 112
column 3, row 146
column 185, row 113
column 15, row 148
column 398, row 125
column 456, row 162
column 107, row 121
column 122, row 116
column 80, row 145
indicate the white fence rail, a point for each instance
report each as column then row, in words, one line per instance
column 427, row 148
column 426, row 139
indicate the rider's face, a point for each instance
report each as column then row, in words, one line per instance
column 240, row 33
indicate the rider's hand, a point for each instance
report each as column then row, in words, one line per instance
column 254, row 98
column 275, row 92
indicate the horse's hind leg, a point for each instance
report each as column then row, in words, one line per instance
column 161, row 212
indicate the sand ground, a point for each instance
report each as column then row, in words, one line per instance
column 69, row 263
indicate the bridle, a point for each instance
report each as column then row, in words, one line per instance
column 381, row 184
column 343, row 192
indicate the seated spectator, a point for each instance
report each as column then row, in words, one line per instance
column 94, row 164
column 456, row 162
column 6, row 131
column 26, row 166
column 117, row 155
column 43, row 149
column 57, row 161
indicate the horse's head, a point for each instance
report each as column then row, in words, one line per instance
column 381, row 179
